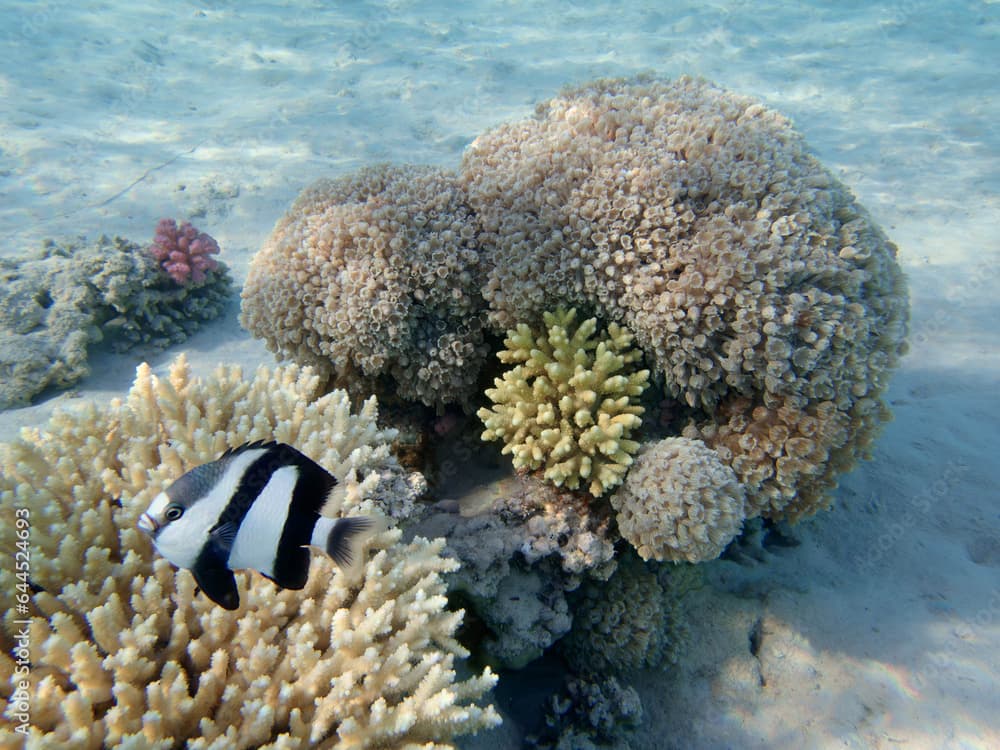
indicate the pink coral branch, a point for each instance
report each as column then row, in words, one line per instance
column 183, row 252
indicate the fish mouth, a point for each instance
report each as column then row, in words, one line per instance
column 148, row 524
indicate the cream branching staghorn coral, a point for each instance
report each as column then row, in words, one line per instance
column 570, row 403
column 755, row 284
column 123, row 651
column 679, row 502
column 375, row 275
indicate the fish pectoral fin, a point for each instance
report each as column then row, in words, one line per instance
column 224, row 535
column 219, row 585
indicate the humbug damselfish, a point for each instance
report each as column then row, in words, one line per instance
column 257, row 506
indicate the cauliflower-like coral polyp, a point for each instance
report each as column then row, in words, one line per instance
column 183, row 252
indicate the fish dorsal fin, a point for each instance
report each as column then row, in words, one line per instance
column 229, row 452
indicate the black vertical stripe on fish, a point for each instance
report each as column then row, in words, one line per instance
column 291, row 560
column 254, row 479
column 312, row 485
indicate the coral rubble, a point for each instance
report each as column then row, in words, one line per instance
column 125, row 653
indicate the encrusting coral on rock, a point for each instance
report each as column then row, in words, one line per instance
column 569, row 404
column 125, row 653
column 375, row 275
column 679, row 502
column 58, row 302
column 632, row 621
column 518, row 560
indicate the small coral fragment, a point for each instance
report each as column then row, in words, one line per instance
column 679, row 502
column 184, row 253
column 570, row 403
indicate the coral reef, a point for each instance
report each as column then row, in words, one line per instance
column 679, row 502
column 634, row 620
column 184, row 253
column 58, row 302
column 519, row 558
column 759, row 291
column 756, row 286
column 697, row 238
column 375, row 275
column 125, row 654
column 590, row 715
column 570, row 403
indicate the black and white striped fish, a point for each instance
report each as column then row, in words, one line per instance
column 256, row 507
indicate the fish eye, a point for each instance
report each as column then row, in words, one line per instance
column 173, row 512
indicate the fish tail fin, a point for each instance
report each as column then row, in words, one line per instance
column 346, row 541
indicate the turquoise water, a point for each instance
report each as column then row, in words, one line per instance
column 115, row 116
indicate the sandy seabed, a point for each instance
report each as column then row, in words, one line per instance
column 881, row 628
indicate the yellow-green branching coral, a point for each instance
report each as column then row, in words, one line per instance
column 570, row 403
